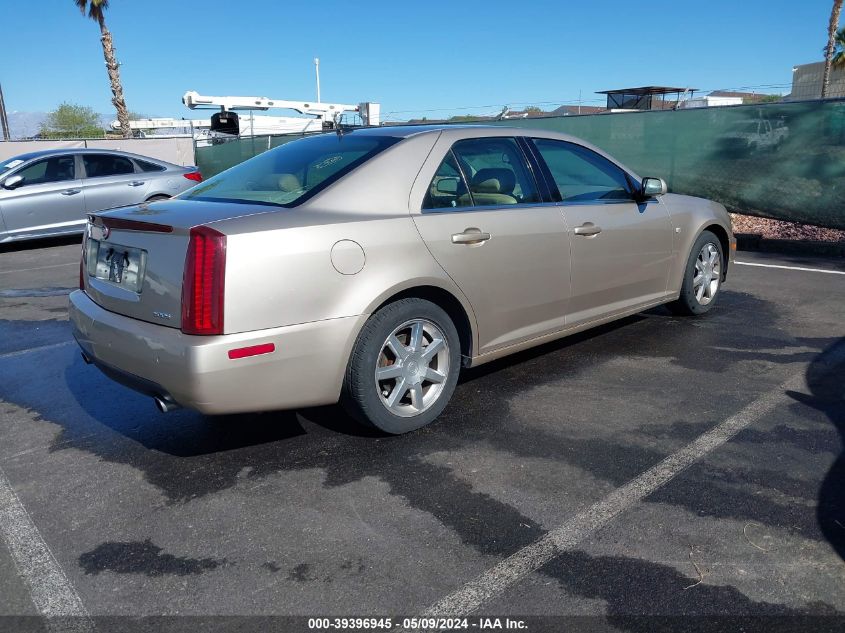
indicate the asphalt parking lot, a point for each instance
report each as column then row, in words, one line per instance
column 651, row 473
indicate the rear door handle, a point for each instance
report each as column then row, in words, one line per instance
column 588, row 228
column 136, row 183
column 470, row 236
column 70, row 192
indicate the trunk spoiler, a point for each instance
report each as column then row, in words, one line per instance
column 123, row 224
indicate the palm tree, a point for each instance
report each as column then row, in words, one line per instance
column 832, row 27
column 838, row 60
column 96, row 11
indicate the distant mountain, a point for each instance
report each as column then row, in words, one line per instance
column 25, row 124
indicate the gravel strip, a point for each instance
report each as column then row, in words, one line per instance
column 778, row 229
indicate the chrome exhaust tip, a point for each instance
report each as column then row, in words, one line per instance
column 86, row 358
column 164, row 404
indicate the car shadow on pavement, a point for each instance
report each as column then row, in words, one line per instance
column 826, row 382
column 283, row 440
column 43, row 242
column 627, row 587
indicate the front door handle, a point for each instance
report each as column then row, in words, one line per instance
column 136, row 183
column 470, row 236
column 70, row 192
column 588, row 228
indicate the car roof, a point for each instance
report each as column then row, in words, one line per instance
column 80, row 150
column 405, row 131
column 460, row 129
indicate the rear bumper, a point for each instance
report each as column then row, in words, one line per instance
column 306, row 368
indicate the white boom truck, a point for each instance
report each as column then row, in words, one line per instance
column 227, row 121
column 326, row 115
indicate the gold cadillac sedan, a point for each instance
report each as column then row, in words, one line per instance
column 370, row 266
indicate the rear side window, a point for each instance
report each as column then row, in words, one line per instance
column 580, row 174
column 496, row 172
column 98, row 165
column 293, row 172
column 148, row 166
column 54, row 169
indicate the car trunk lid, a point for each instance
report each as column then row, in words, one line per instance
column 134, row 257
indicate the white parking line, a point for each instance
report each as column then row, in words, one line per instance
column 471, row 596
column 809, row 270
column 50, row 590
column 31, row 350
column 26, row 270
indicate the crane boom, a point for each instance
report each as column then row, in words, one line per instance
column 163, row 123
column 195, row 100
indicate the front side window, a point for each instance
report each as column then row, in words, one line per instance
column 54, row 169
column 99, row 165
column 293, row 172
column 580, row 174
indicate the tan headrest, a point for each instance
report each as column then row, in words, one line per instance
column 493, row 180
column 289, row 182
column 491, row 185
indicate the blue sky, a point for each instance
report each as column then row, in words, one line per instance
column 435, row 58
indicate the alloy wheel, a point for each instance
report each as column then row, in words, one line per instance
column 707, row 274
column 412, row 367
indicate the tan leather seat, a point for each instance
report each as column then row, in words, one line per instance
column 491, row 187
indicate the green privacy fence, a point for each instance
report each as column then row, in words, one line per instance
column 779, row 160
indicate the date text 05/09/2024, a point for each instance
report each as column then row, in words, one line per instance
column 417, row 623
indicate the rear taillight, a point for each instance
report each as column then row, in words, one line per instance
column 193, row 175
column 203, row 282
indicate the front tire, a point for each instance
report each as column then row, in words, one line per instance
column 403, row 368
column 702, row 277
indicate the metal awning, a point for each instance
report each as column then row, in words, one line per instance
column 646, row 90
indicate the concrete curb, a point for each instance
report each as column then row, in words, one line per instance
column 756, row 242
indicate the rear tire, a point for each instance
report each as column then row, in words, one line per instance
column 158, row 197
column 403, row 368
column 702, row 277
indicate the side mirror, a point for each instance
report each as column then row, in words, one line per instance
column 448, row 186
column 12, row 182
column 653, row 187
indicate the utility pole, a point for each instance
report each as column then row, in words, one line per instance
column 4, row 121
column 317, row 68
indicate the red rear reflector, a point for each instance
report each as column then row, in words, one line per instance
column 203, row 282
column 193, row 175
column 255, row 350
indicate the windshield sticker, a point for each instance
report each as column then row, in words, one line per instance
column 328, row 162
column 12, row 164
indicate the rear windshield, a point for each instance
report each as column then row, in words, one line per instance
column 288, row 175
